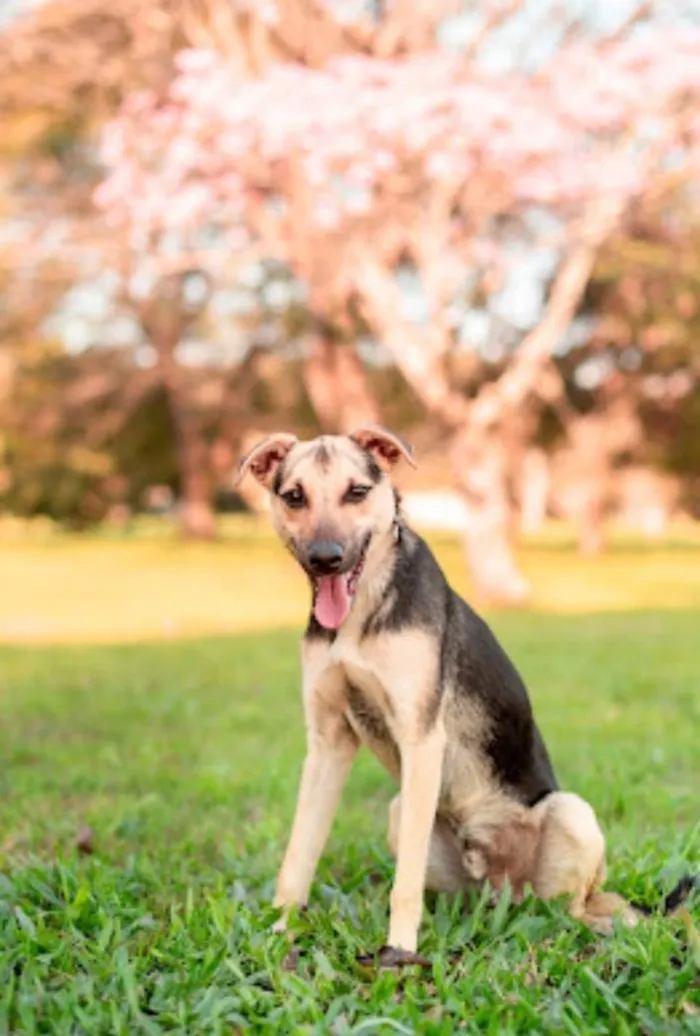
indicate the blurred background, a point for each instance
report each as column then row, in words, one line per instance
column 476, row 223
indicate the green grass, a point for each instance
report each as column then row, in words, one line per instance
column 183, row 759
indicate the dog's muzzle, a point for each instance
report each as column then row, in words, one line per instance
column 334, row 578
column 325, row 557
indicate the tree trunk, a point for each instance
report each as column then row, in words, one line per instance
column 236, row 434
column 163, row 320
column 321, row 382
column 590, row 521
column 358, row 405
column 7, row 376
column 534, row 490
column 481, row 475
column 337, row 386
column 197, row 518
column 196, row 513
column 491, row 560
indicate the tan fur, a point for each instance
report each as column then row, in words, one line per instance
column 571, row 861
column 331, row 749
column 451, row 825
column 445, row 869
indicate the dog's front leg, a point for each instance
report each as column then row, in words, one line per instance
column 421, row 772
column 331, row 749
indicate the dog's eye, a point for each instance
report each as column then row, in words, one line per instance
column 355, row 494
column 294, row 498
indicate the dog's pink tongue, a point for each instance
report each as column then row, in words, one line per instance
column 332, row 601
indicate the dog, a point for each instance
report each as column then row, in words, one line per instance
column 395, row 660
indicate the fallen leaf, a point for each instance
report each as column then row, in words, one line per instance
column 391, row 959
column 291, row 961
column 85, row 840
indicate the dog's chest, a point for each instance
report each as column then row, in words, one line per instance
column 369, row 708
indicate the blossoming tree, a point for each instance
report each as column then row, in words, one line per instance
column 368, row 173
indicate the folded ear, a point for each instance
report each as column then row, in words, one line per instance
column 265, row 458
column 386, row 448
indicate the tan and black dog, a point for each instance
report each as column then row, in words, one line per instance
column 395, row 660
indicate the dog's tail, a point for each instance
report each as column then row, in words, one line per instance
column 675, row 899
column 600, row 908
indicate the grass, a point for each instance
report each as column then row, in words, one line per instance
column 182, row 758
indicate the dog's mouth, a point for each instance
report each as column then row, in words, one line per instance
column 333, row 595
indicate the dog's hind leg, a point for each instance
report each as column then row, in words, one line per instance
column 445, row 871
column 570, row 861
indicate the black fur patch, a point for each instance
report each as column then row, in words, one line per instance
column 472, row 663
column 538, row 797
column 367, row 714
column 374, row 472
column 322, row 456
column 278, row 479
column 676, row 897
column 315, row 631
column 416, row 594
column 680, row 893
column 475, row 664
column 370, row 718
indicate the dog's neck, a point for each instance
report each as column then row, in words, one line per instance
column 379, row 568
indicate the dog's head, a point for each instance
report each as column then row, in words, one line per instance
column 331, row 502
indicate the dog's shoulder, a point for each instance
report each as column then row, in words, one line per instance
column 475, row 667
column 415, row 594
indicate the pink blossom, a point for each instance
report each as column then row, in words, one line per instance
column 362, row 135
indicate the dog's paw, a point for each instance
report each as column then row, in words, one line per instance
column 284, row 925
column 391, row 958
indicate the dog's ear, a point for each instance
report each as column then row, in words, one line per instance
column 265, row 458
column 386, row 448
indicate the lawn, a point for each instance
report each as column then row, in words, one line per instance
column 181, row 757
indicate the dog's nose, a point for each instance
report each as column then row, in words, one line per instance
column 325, row 557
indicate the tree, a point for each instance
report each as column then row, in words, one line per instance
column 67, row 67
column 646, row 288
column 386, row 180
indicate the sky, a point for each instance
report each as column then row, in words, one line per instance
column 10, row 9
